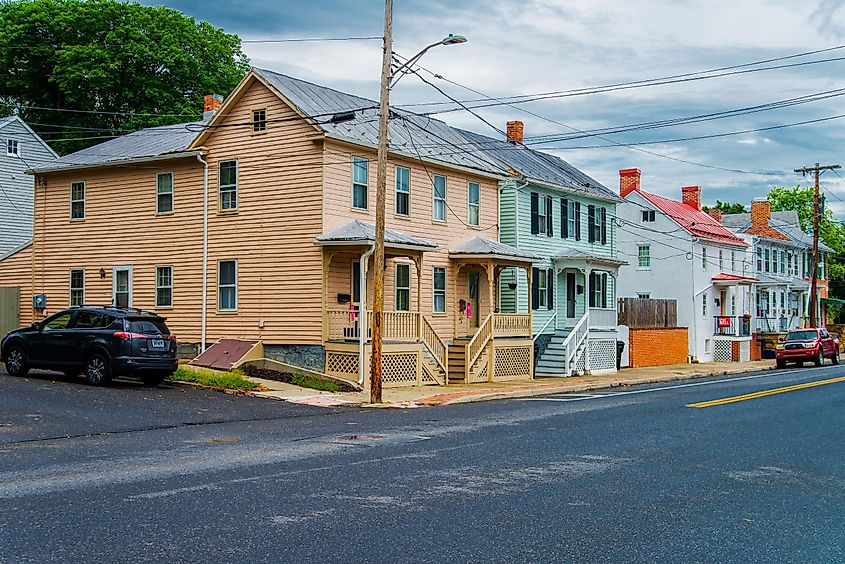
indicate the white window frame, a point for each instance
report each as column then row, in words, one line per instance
column 644, row 258
column 13, row 148
column 644, row 295
column 571, row 226
column 542, row 288
column 721, row 259
column 114, row 271
column 397, row 288
column 733, row 304
column 259, row 120
column 365, row 186
column 159, row 193
column 77, row 200
column 400, row 192
column 648, row 216
column 704, row 304
column 542, row 213
column 733, row 261
column 435, row 200
column 219, row 285
column 476, row 221
column 73, row 288
column 703, row 257
column 435, row 291
column 228, row 188
column 168, row 287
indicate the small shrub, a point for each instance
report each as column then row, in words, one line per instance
column 228, row 380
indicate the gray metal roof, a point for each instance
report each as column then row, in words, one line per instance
column 409, row 133
column 480, row 246
column 784, row 221
column 149, row 142
column 539, row 166
column 357, row 231
column 577, row 255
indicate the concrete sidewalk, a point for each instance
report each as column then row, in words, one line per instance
column 465, row 393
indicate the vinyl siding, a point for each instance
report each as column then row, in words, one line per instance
column 16, row 271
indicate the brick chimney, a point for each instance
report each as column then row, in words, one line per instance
column 629, row 181
column 761, row 211
column 691, row 196
column 515, row 131
column 715, row 213
column 210, row 104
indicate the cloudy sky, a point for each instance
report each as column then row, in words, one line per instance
column 540, row 46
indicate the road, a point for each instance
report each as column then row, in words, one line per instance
column 127, row 474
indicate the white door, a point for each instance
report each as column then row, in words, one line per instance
column 122, row 286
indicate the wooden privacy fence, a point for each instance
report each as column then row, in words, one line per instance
column 10, row 315
column 646, row 313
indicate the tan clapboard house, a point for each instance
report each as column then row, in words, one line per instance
column 257, row 224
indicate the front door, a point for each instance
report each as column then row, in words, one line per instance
column 570, row 298
column 723, row 303
column 122, row 286
column 472, row 303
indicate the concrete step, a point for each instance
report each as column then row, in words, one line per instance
column 554, row 365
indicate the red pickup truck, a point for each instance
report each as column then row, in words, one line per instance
column 804, row 345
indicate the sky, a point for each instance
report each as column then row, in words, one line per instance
column 536, row 46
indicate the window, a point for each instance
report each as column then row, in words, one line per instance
column 733, row 305
column 259, row 120
column 58, row 322
column 721, row 259
column 733, row 261
column 77, row 287
column 704, row 305
column 541, row 214
column 77, row 200
column 775, row 261
column 356, row 282
column 644, row 256
column 227, row 285
column 228, row 185
column 122, row 286
column 542, row 289
column 92, row 320
column 648, row 216
column 474, row 203
column 644, row 296
column 789, row 263
column 704, row 257
column 403, row 287
column 438, row 212
column 568, row 222
column 403, row 191
column 13, row 148
column 164, row 192
column 596, row 224
column 796, row 269
column 164, row 286
column 759, row 259
column 782, row 262
column 438, row 304
column 598, row 289
column 766, row 263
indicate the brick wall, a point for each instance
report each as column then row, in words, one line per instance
column 658, row 347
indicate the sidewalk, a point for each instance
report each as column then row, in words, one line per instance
column 465, row 393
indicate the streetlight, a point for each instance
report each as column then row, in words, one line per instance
column 381, row 185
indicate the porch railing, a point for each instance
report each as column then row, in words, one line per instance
column 511, row 325
column 477, row 344
column 433, row 343
column 731, row 326
column 603, row 318
column 345, row 325
column 573, row 342
column 772, row 324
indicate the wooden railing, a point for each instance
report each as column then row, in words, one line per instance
column 345, row 325
column 476, row 346
column 434, row 344
column 573, row 341
column 511, row 325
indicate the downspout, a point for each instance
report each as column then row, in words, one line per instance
column 694, row 304
column 362, row 311
column 204, row 312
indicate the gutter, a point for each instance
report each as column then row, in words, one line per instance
column 169, row 156
column 204, row 312
column 362, row 311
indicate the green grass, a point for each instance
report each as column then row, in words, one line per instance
column 228, row 380
column 316, row 384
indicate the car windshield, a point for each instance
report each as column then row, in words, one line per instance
column 806, row 335
column 148, row 326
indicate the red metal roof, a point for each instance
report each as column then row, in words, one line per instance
column 697, row 223
column 725, row 277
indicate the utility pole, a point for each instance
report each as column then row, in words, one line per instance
column 381, row 186
column 816, row 170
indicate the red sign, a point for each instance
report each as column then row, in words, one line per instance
column 723, row 321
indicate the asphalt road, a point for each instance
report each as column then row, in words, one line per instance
column 128, row 474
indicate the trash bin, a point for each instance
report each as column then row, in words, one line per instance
column 620, row 348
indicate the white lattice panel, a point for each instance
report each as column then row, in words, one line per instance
column 479, row 372
column 512, row 363
column 722, row 351
column 342, row 364
column 399, row 369
column 602, row 354
column 745, row 351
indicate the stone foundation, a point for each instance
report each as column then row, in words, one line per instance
column 312, row 357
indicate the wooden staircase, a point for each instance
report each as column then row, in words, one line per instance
column 457, row 360
column 432, row 369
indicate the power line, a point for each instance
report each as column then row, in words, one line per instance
column 249, row 41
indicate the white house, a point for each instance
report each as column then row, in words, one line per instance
column 677, row 251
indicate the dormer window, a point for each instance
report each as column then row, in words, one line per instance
column 13, row 148
column 259, row 121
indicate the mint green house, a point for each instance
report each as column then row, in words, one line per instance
column 551, row 209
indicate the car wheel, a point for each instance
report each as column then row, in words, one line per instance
column 153, row 379
column 98, row 370
column 16, row 362
column 835, row 357
column 780, row 363
column 819, row 359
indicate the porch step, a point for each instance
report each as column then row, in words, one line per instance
column 457, row 360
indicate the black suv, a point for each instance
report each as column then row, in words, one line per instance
column 98, row 342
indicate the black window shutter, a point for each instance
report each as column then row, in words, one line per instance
column 550, row 277
column 577, row 221
column 591, row 221
column 592, row 289
column 549, row 217
column 535, row 205
column 604, row 226
column 604, row 290
column 564, row 218
column 535, row 289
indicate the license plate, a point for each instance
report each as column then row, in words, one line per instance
column 156, row 343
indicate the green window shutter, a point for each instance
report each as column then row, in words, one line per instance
column 564, row 218
column 591, row 222
column 549, row 217
column 577, row 221
column 535, row 289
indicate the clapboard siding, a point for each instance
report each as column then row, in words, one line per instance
column 16, row 271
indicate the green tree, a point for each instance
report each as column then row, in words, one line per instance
column 727, row 207
column 109, row 65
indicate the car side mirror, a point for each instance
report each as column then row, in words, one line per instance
column 36, row 325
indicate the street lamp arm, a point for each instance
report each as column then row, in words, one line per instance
column 403, row 69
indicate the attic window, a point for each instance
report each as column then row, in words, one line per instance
column 13, row 148
column 259, row 121
column 648, row 216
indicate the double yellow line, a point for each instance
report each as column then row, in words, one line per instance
column 765, row 393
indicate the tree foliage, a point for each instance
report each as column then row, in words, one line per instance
column 727, row 207
column 113, row 63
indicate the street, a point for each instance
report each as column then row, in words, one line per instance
column 174, row 474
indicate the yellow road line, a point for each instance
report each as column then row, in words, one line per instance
column 764, row 393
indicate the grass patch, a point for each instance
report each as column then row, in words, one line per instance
column 297, row 378
column 308, row 382
column 228, row 380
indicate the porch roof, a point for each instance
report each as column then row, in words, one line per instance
column 732, row 279
column 794, row 283
column 357, row 232
column 479, row 247
column 581, row 256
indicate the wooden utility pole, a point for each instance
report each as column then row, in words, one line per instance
column 381, row 186
column 817, row 212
